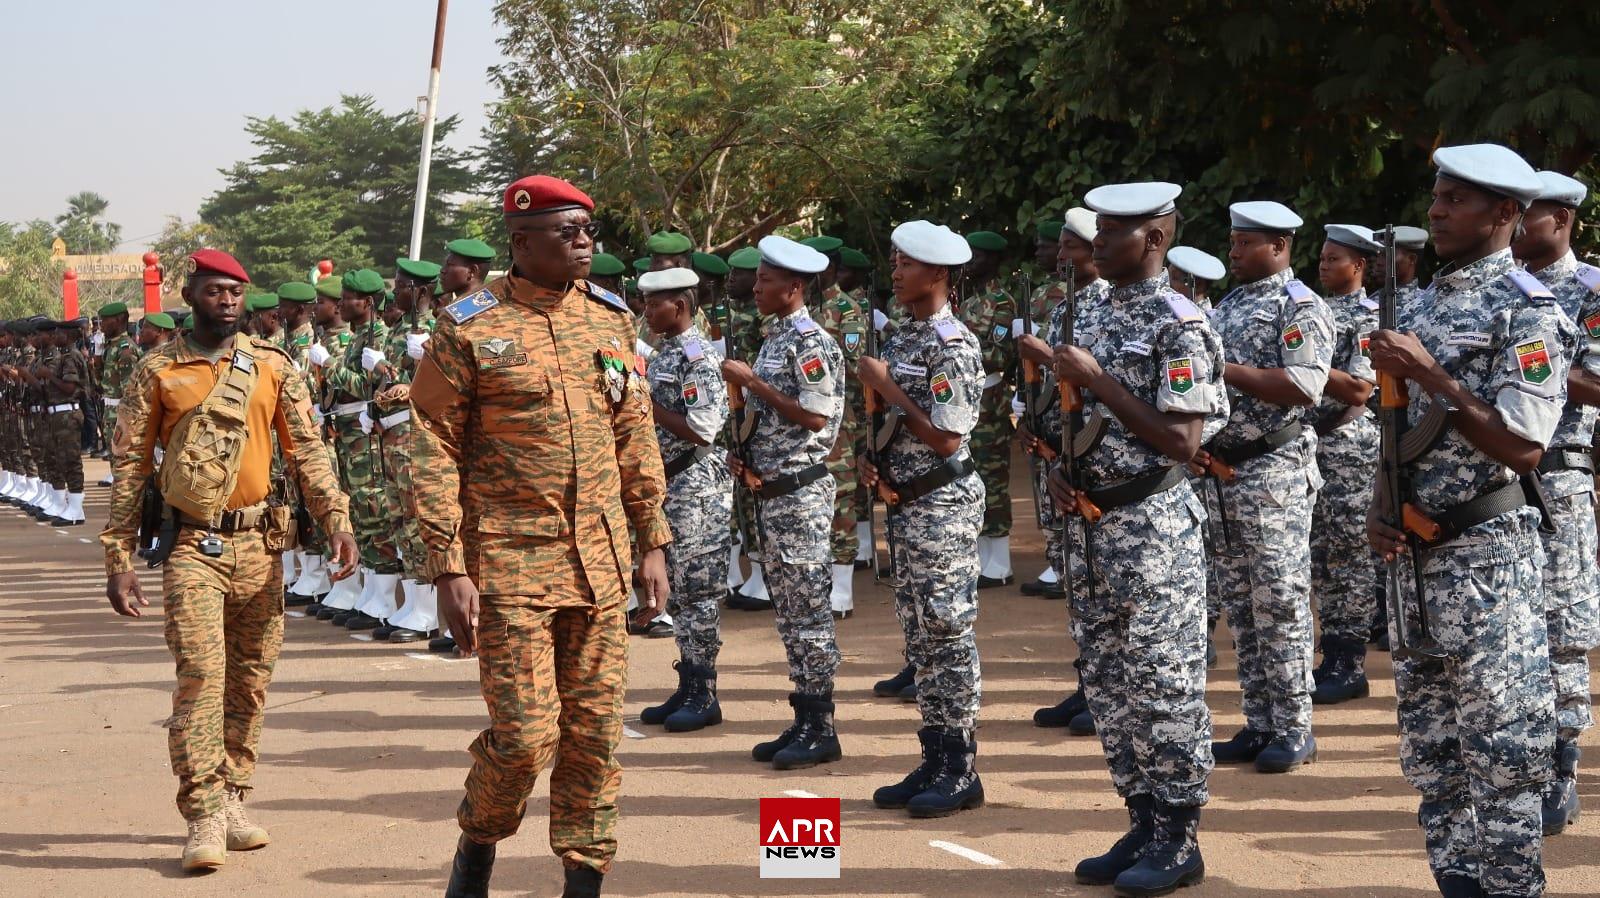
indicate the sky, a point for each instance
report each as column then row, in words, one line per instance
column 143, row 102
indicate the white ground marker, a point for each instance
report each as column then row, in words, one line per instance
column 799, row 793
column 977, row 857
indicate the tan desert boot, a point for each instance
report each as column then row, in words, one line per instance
column 206, row 848
column 242, row 834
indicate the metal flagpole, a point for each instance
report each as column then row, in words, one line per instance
column 427, row 133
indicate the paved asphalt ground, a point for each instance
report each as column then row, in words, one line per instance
column 365, row 752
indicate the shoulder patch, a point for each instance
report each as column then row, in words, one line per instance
column 1530, row 286
column 1299, row 292
column 1368, row 302
column 805, row 325
column 1589, row 276
column 693, row 350
column 948, row 329
column 470, row 306
column 1182, row 308
column 601, row 294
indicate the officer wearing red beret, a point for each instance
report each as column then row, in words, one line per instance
column 528, row 533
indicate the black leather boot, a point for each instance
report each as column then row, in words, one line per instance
column 892, row 687
column 1171, row 860
column 658, row 714
column 1345, row 677
column 1104, row 869
column 700, row 708
column 897, row 795
column 765, row 751
column 957, row 787
column 582, row 882
column 469, row 874
column 1242, row 748
column 1560, row 807
column 815, row 742
column 1061, row 715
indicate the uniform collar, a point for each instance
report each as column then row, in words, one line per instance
column 1560, row 269
column 1140, row 289
column 1475, row 274
column 526, row 292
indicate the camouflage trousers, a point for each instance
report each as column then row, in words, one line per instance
column 397, row 501
column 990, row 446
column 1570, row 601
column 698, row 584
column 1477, row 728
column 64, row 451
column 224, row 625
column 805, row 623
column 39, row 442
column 1343, row 568
column 108, row 424
column 1143, row 643
column 847, row 507
column 933, row 545
column 1266, row 590
column 360, row 469
column 553, row 682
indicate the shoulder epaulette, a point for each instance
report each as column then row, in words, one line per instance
column 805, row 325
column 949, row 330
column 693, row 350
column 470, row 306
column 1183, row 308
column 601, row 294
column 1299, row 292
column 1589, row 276
column 1368, row 302
column 1530, row 286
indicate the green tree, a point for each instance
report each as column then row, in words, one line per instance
column 339, row 183
column 30, row 280
column 83, row 228
column 178, row 239
column 724, row 119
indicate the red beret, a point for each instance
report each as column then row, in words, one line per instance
column 538, row 194
column 216, row 263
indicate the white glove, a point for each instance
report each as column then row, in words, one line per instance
column 370, row 358
column 1017, row 406
column 99, row 343
column 366, row 421
column 319, row 355
column 414, row 344
column 643, row 349
column 722, row 346
column 1016, row 328
column 879, row 320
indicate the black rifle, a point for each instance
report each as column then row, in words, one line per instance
column 741, row 425
column 1395, row 490
column 875, row 425
column 1071, row 423
column 1031, row 385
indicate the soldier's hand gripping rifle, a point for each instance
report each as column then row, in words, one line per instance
column 1031, row 386
column 1071, row 424
column 1395, row 492
column 741, row 424
column 877, row 438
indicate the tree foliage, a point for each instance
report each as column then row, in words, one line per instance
column 30, row 280
column 336, row 183
column 83, row 226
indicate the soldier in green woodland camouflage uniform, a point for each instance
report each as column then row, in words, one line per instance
column 296, row 301
column 121, row 355
column 989, row 311
column 743, row 341
column 855, row 279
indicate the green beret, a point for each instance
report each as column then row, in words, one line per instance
column 468, row 248
column 330, row 287
column 748, row 258
column 180, row 317
column 438, row 289
column 161, row 320
column 667, row 243
column 706, row 263
column 418, row 270
column 823, row 244
column 1050, row 231
column 606, row 265
column 297, row 291
column 386, row 300
column 262, row 302
column 113, row 309
column 854, row 258
column 630, row 285
column 988, row 240
column 641, row 265
column 363, row 280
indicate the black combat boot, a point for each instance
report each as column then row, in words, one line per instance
column 765, row 751
column 815, row 742
column 1328, row 652
column 1286, row 752
column 909, row 694
column 957, row 787
column 1059, row 715
column 1346, row 675
column 1171, row 860
column 1456, row 885
column 1561, row 795
column 1083, row 724
column 1104, row 869
column 892, row 687
column 582, row 882
column 469, row 874
column 362, row 621
column 700, row 708
column 445, row 645
column 897, row 795
column 658, row 714
column 314, row 607
column 1242, row 748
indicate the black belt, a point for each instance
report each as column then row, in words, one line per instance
column 773, row 487
column 1136, row 490
column 685, row 460
column 1555, row 460
column 1458, row 519
column 230, row 521
column 1329, row 423
column 1237, row 455
column 943, row 474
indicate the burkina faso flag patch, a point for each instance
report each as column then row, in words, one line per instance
column 1180, row 375
column 1293, row 337
column 943, row 392
column 1533, row 359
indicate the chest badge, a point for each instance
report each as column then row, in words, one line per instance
column 497, row 346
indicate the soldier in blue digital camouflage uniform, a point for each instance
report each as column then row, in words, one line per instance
column 1279, row 338
column 1485, row 349
column 690, row 402
column 931, row 375
column 1567, row 470
column 795, row 392
column 1152, row 370
column 1342, row 572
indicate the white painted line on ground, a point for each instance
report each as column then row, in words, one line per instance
column 63, row 533
column 977, row 857
column 361, row 637
column 424, row 656
column 390, row 665
column 84, row 539
column 294, row 614
column 800, row 793
column 632, row 733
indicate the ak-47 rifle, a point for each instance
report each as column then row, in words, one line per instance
column 1399, row 511
column 1031, row 385
column 875, row 423
column 741, row 424
column 1071, row 423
